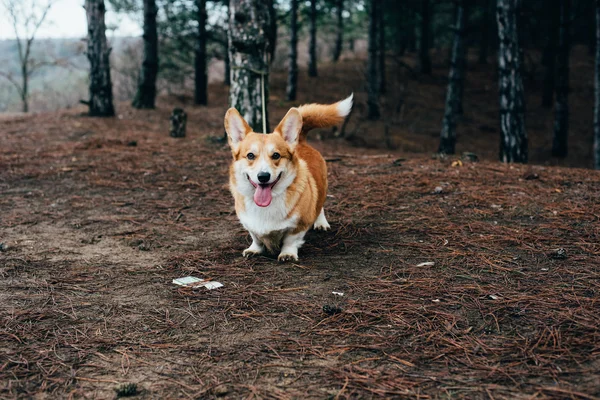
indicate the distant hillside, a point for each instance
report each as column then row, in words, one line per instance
column 54, row 87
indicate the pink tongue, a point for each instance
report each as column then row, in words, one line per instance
column 262, row 196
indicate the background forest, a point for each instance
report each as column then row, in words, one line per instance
column 415, row 43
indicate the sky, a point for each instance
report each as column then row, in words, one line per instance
column 66, row 19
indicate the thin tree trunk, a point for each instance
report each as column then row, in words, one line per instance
column 513, row 136
column 484, row 39
column 372, row 78
column 146, row 92
column 463, row 58
column 201, row 76
column 25, row 87
column 339, row 40
column 561, row 109
column 597, row 92
column 381, row 48
column 227, row 77
column 549, row 57
column 425, row 42
column 249, row 90
column 292, row 83
column 455, row 78
column 312, row 61
column 98, row 52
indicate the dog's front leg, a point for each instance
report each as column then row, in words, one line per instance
column 255, row 248
column 291, row 244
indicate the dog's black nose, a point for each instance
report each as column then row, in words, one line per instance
column 263, row 177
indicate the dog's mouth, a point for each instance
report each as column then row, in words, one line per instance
column 263, row 195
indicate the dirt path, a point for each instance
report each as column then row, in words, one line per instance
column 100, row 215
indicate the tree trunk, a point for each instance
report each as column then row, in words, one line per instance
column 339, row 41
column 272, row 32
column 201, row 76
column 381, row 48
column 463, row 58
column 372, row 78
column 597, row 92
column 98, row 53
column 484, row 39
column 248, row 44
column 455, row 78
column 561, row 109
column 227, row 73
column 424, row 43
column 292, row 83
column 312, row 46
column 549, row 57
column 25, row 86
column 146, row 92
column 513, row 136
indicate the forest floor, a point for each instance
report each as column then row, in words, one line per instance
column 459, row 279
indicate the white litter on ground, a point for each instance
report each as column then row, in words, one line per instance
column 192, row 281
column 337, row 293
column 426, row 264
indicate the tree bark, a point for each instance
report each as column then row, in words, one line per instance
column 248, row 44
column 381, row 48
column 292, row 83
column 146, row 92
column 561, row 108
column 425, row 42
column 455, row 78
column 200, row 73
column 227, row 73
column 597, row 92
column 98, row 53
column 484, row 39
column 339, row 40
column 372, row 73
column 312, row 46
column 513, row 136
column 549, row 57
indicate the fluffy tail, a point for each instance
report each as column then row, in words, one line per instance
column 323, row 116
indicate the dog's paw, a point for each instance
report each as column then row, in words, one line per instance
column 284, row 257
column 321, row 226
column 250, row 252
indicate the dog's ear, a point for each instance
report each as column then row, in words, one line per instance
column 290, row 127
column 236, row 127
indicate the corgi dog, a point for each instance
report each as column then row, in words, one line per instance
column 278, row 181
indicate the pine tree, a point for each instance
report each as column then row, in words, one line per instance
column 101, row 97
column 455, row 81
column 561, row 108
column 513, row 136
column 200, row 73
column 425, row 40
column 292, row 83
column 372, row 73
column 249, row 22
column 597, row 92
column 381, row 48
column 484, row 39
column 549, row 56
column 339, row 39
column 227, row 72
column 312, row 46
column 146, row 92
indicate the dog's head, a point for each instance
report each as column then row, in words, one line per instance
column 263, row 165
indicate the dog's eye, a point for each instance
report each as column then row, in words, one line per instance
column 250, row 156
column 276, row 156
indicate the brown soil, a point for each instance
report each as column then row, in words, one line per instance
column 99, row 215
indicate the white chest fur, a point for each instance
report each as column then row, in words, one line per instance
column 264, row 221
